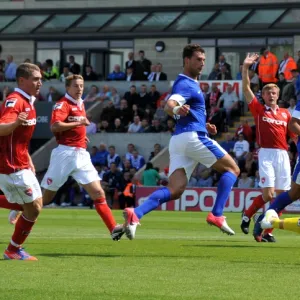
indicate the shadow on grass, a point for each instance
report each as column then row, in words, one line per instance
column 254, row 245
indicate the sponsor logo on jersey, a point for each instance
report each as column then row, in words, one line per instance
column 58, row 106
column 75, row 118
column 10, row 102
column 28, row 192
column 284, row 115
column 30, row 122
column 27, row 109
column 74, row 108
column 49, row 180
column 272, row 121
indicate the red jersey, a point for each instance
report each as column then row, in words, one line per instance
column 14, row 147
column 271, row 125
column 69, row 110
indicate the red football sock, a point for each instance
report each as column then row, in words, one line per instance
column 257, row 203
column 105, row 213
column 5, row 204
column 270, row 230
column 22, row 230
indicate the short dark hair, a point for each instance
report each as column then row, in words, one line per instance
column 25, row 70
column 112, row 147
column 49, row 62
column 189, row 50
column 133, row 87
column 142, row 51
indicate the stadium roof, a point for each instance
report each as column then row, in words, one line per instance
column 120, row 23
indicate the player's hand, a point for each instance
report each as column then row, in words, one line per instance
column 183, row 110
column 250, row 59
column 21, row 118
column 211, row 128
column 84, row 122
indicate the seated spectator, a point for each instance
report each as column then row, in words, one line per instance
column 109, row 113
column 240, row 150
column 170, row 126
column 292, row 106
column 104, row 126
column 113, row 157
column 251, row 164
column 51, row 71
column 214, row 96
column 89, row 74
column 99, row 156
column 245, row 182
column 66, row 72
column 246, row 130
column 92, row 94
column 152, row 73
column 144, row 98
column 154, row 96
column 137, row 111
column 160, row 113
column 228, row 144
column 145, row 127
column 130, row 76
column 135, row 126
column 131, row 96
column 105, row 95
column 115, row 97
column 129, row 153
column 213, row 75
column 124, row 113
column 137, row 161
column 159, row 75
column 53, row 95
column 116, row 74
column 132, row 171
column 157, row 149
column 2, row 74
column 148, row 114
column 118, row 126
column 126, row 166
column 92, row 128
column 150, row 176
column 205, row 179
column 224, row 74
column 156, row 126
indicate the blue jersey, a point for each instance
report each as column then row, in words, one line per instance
column 296, row 115
column 187, row 91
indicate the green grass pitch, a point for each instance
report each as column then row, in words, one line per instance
column 175, row 256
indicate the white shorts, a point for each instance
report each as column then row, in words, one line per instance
column 190, row 148
column 69, row 161
column 20, row 187
column 274, row 169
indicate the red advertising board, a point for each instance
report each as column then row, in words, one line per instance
column 202, row 199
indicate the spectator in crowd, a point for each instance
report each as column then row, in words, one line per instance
column 298, row 61
column 136, row 111
column 230, row 103
column 124, row 113
column 92, row 94
column 246, row 130
column 224, row 74
column 193, row 179
column 152, row 73
column 105, row 94
column 145, row 128
column 254, row 79
column 66, row 72
column 240, row 150
column 156, row 126
column 131, row 96
column 164, row 176
column 10, row 69
column 53, row 95
column 92, row 128
column 268, row 67
column 205, row 179
column 222, row 62
column 73, row 66
column 135, row 126
column 286, row 66
column 148, row 114
column 131, row 63
column 109, row 113
column 130, row 192
column 164, row 97
column 296, row 82
column 126, row 166
column 213, row 75
column 159, row 75
column 116, row 74
column 292, row 106
column 112, row 183
column 170, row 126
column 104, row 126
column 115, row 97
column 281, row 104
column 143, row 66
column 228, row 144
column 154, row 96
column 118, row 126
column 99, row 156
column 160, row 113
column 251, row 164
column 156, row 150
column 130, row 76
column 216, row 117
column 150, row 176
column 281, row 84
column 89, row 74
column 144, row 98
column 125, row 199
column 113, row 157
column 205, row 90
column 289, row 91
column 129, row 153
column 239, row 73
column 257, row 92
column 51, row 71
column 137, row 161
column 256, row 180
column 245, row 182
column 2, row 74
column 132, row 171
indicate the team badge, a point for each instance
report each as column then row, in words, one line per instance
column 58, row 106
column 28, row 192
column 284, row 115
column 27, row 109
column 263, row 180
column 49, row 181
column 10, row 103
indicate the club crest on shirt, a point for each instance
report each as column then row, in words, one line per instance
column 49, row 180
column 284, row 115
column 58, row 106
column 27, row 109
column 28, row 192
column 10, row 102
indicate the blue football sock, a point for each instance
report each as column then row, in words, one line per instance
column 157, row 198
column 225, row 185
column 280, row 202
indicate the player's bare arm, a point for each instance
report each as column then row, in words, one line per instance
column 31, row 165
column 172, row 108
column 294, row 125
column 8, row 128
column 211, row 128
column 249, row 60
column 63, row 126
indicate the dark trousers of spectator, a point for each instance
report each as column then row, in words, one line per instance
column 125, row 201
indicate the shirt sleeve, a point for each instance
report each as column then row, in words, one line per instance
column 255, row 107
column 181, row 92
column 296, row 112
column 60, row 112
column 11, row 108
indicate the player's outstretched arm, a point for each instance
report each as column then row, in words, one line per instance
column 173, row 108
column 294, row 125
column 8, row 128
column 249, row 60
column 63, row 126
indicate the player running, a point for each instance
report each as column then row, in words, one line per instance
column 188, row 146
column 17, row 179
column 271, row 131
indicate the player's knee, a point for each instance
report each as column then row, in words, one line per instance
column 97, row 194
column 268, row 196
column 32, row 212
column 177, row 191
